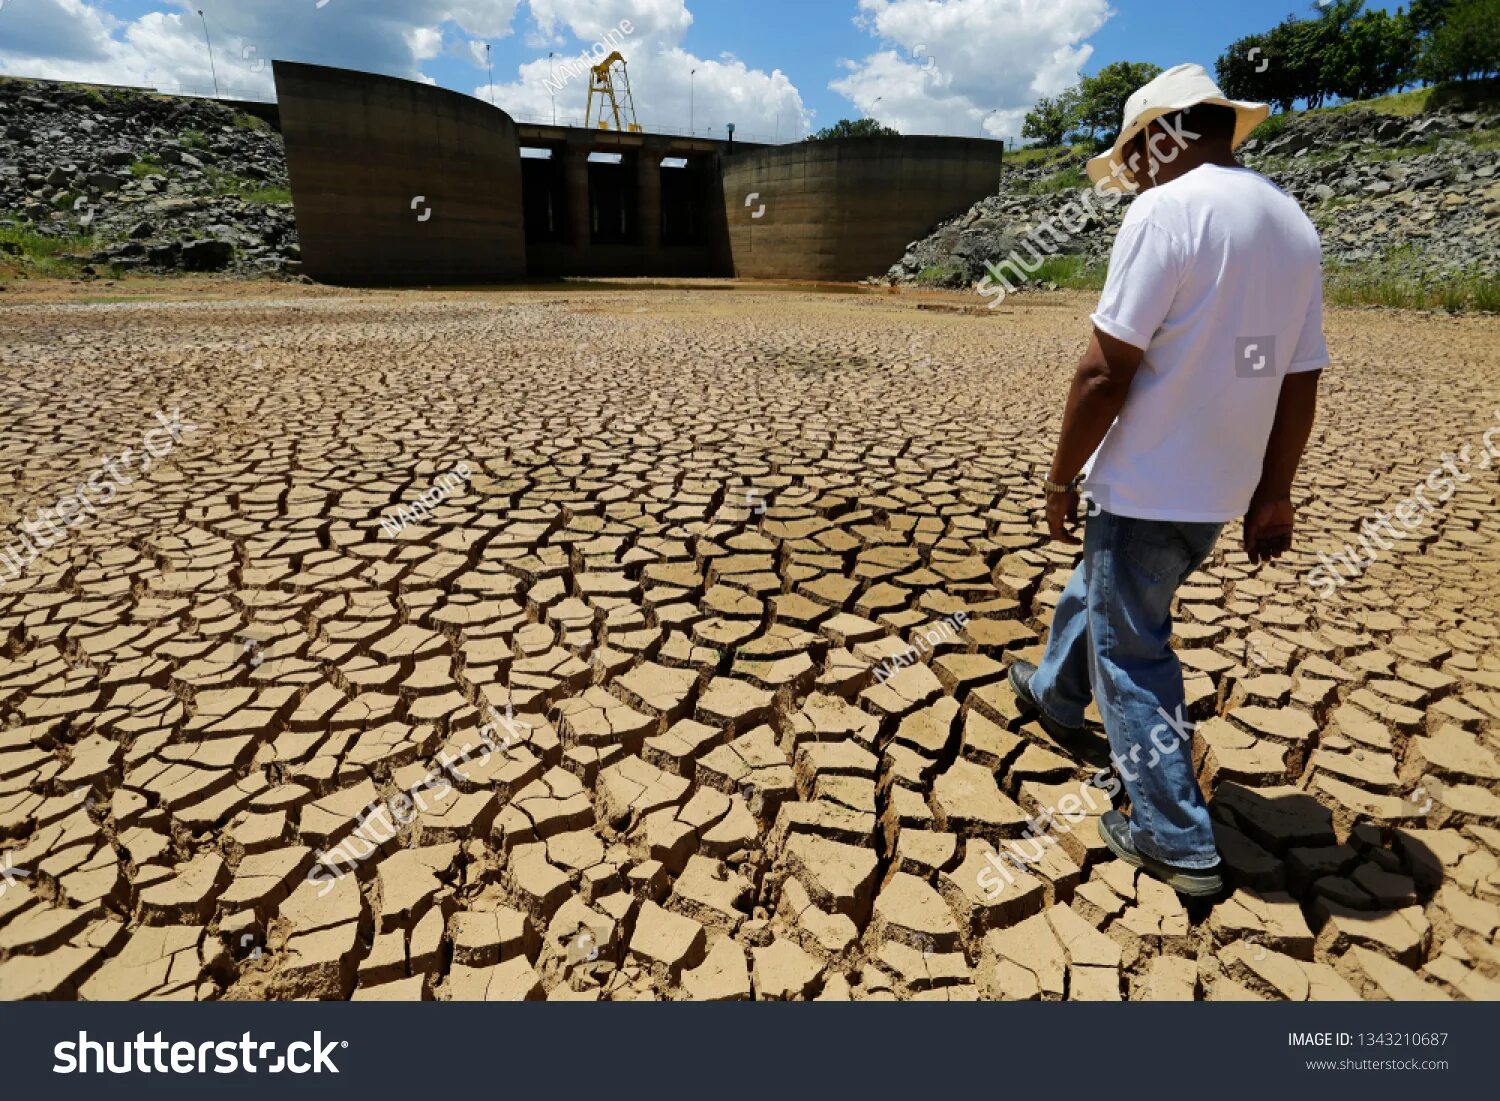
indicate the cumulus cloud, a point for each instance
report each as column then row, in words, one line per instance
column 668, row 94
column 956, row 66
column 80, row 40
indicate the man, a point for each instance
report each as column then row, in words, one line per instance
column 1195, row 398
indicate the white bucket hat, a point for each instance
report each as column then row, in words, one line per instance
column 1177, row 89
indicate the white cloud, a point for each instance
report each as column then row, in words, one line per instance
column 80, row 40
column 660, row 21
column 424, row 43
column 668, row 96
column 952, row 66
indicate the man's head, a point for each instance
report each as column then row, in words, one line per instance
column 1181, row 109
column 1168, row 146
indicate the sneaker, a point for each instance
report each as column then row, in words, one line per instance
column 1020, row 675
column 1114, row 828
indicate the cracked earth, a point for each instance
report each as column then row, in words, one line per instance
column 697, row 523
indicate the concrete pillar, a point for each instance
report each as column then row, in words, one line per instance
column 576, row 191
column 648, row 207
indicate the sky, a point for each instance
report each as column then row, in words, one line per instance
column 777, row 69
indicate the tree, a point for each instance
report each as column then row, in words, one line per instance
column 1297, row 48
column 1466, row 44
column 1101, row 97
column 1428, row 15
column 847, row 128
column 1244, row 71
column 1052, row 119
column 1369, row 54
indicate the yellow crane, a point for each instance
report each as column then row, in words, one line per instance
column 617, row 105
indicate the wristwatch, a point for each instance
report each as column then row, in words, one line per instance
column 1067, row 487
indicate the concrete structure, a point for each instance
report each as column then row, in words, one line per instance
column 637, row 217
column 501, row 200
column 846, row 209
column 399, row 182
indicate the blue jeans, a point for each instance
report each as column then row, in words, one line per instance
column 1112, row 632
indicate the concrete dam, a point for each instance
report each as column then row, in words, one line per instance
column 401, row 183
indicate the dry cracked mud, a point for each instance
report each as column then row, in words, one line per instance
column 695, row 525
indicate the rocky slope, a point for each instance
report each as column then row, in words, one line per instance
column 140, row 181
column 1421, row 192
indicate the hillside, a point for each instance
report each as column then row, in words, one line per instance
column 1408, row 206
column 103, row 180
column 106, row 181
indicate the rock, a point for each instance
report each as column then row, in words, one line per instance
column 206, row 255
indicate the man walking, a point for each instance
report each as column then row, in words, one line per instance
column 1195, row 399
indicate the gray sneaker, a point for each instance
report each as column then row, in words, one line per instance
column 1114, row 828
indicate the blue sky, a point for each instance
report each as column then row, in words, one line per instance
column 776, row 68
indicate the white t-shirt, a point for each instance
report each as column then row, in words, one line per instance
column 1218, row 276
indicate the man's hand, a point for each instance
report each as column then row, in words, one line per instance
column 1271, row 520
column 1062, row 517
column 1268, row 528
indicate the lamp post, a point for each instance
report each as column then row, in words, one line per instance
column 552, row 83
column 692, row 101
column 214, row 72
column 488, row 64
column 985, row 120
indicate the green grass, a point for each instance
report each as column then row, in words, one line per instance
column 251, row 191
column 1458, row 96
column 1486, row 141
column 1455, row 96
column 40, row 255
column 147, row 166
column 1071, row 273
column 1040, row 154
column 1386, row 285
column 1071, row 178
column 1273, row 126
column 269, row 196
column 938, row 275
column 250, row 122
column 193, row 139
column 1402, row 105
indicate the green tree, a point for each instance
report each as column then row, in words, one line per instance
column 1101, row 97
column 1244, row 70
column 1052, row 119
column 1368, row 53
column 1298, row 48
column 1428, row 15
column 1466, row 44
column 849, row 128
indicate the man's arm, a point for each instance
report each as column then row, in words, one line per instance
column 1100, row 387
column 1272, row 518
